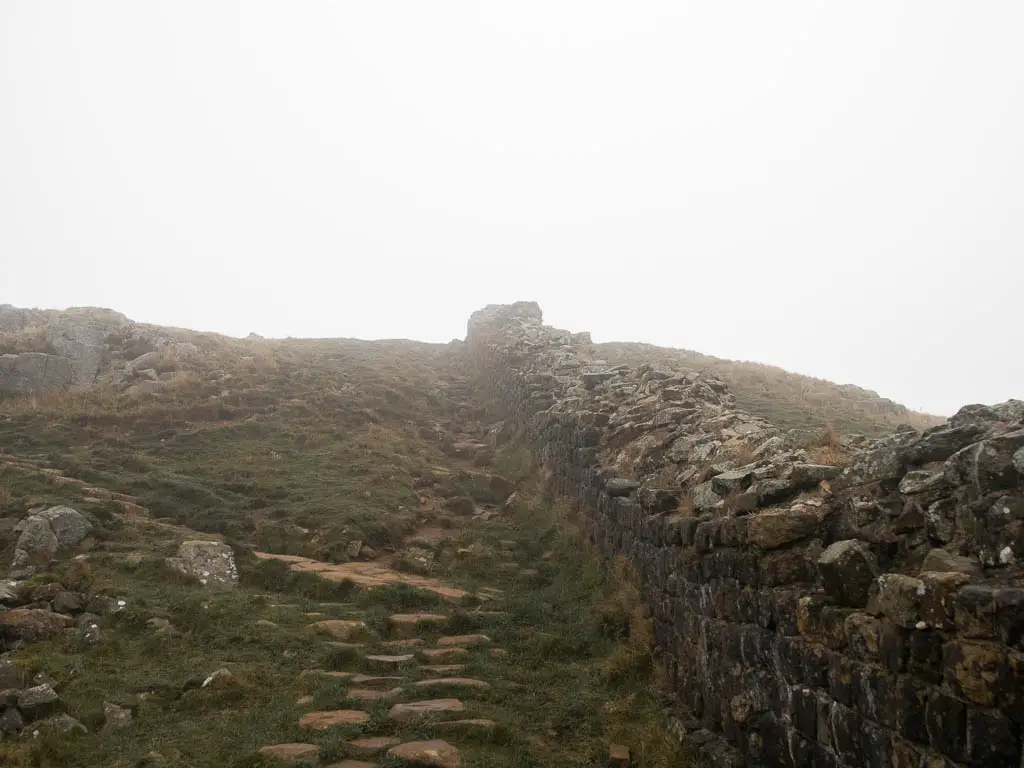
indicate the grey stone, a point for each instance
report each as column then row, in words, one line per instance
column 941, row 561
column 11, row 721
column 39, row 701
column 210, row 562
column 620, row 486
column 848, row 570
column 776, row 528
column 899, row 599
column 116, row 716
column 1018, row 461
column 704, row 498
column 34, row 373
column 919, row 481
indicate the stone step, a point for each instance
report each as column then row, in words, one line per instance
column 375, row 680
column 403, row 713
column 442, row 669
column 322, row 721
column 443, row 654
column 366, row 694
column 434, row 753
column 389, row 662
column 349, row 630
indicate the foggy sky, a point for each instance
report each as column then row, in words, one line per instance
column 835, row 188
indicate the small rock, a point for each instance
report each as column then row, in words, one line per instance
column 899, row 598
column 618, row 755
column 222, row 678
column 210, row 562
column 348, row 630
column 39, row 701
column 11, row 721
column 322, row 721
column 848, row 570
column 403, row 713
column 69, row 602
column 116, row 716
column 434, row 753
column 941, row 561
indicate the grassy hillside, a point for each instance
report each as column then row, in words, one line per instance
column 309, row 448
column 788, row 400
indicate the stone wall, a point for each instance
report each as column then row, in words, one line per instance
column 855, row 604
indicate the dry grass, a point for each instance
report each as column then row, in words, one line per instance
column 31, row 339
column 788, row 400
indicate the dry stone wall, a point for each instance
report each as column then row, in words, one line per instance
column 808, row 611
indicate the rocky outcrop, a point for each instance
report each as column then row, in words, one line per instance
column 861, row 606
column 34, row 373
column 44, row 533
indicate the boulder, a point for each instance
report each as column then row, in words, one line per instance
column 30, row 625
column 39, row 701
column 210, row 562
column 45, row 532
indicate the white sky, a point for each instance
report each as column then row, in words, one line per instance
column 833, row 187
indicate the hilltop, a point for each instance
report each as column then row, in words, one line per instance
column 522, row 549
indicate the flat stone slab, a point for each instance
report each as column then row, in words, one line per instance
column 352, row 764
column 434, row 753
column 322, row 721
column 375, row 680
column 443, row 654
column 390, row 661
column 443, row 669
column 406, row 625
column 403, row 713
column 349, row 630
column 618, row 755
column 452, row 682
column 463, row 640
column 366, row 574
column 292, row 753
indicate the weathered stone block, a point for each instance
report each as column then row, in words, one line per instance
column 848, row 569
